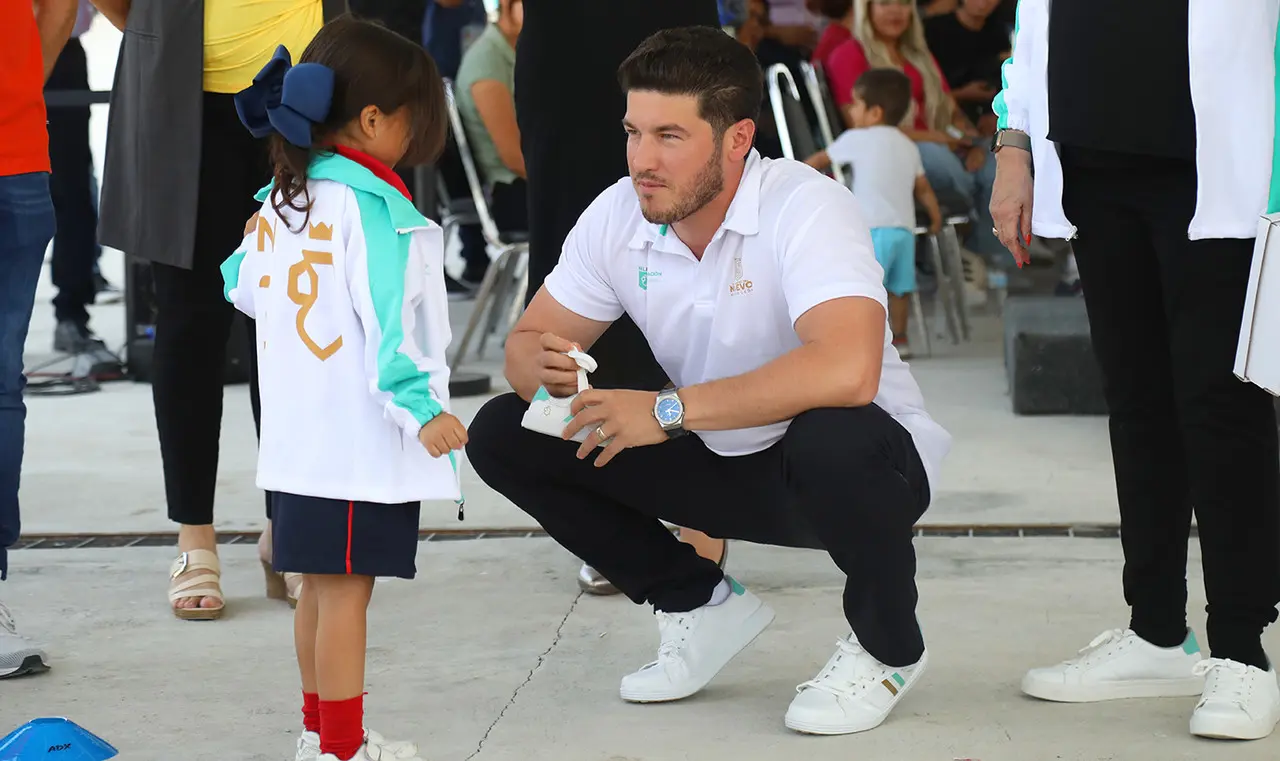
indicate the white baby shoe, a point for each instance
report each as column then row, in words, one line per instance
column 548, row 414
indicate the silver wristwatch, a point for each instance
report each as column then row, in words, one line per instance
column 669, row 411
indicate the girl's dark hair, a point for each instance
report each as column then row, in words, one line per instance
column 372, row 66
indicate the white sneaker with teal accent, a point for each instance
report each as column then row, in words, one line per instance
column 1239, row 703
column 549, row 414
column 854, row 692
column 696, row 645
column 1119, row 664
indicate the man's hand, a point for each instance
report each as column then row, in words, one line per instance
column 622, row 419
column 1011, row 199
column 443, row 434
column 556, row 372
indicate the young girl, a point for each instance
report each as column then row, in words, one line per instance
column 345, row 280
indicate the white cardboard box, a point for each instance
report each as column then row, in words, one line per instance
column 1258, row 350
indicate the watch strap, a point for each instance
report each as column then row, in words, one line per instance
column 1011, row 138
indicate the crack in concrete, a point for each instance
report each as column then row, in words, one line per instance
column 536, row 667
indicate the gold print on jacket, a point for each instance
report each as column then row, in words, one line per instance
column 307, row 300
column 265, row 231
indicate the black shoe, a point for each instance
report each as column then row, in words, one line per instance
column 474, row 276
column 107, row 293
column 93, row 358
column 457, row 291
column 1068, row 289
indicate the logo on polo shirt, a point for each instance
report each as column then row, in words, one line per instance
column 644, row 276
column 740, row 283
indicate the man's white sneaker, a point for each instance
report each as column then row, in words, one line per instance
column 1239, row 703
column 18, row 655
column 694, row 646
column 854, row 692
column 309, row 748
column 1120, row 664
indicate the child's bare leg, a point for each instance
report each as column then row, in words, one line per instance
column 339, row 656
column 304, row 643
column 899, row 308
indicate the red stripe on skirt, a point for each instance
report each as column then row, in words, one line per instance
column 351, row 511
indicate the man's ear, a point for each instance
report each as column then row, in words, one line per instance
column 740, row 139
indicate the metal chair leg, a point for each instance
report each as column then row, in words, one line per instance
column 955, row 264
column 498, row 302
column 917, row 316
column 483, row 298
column 944, row 297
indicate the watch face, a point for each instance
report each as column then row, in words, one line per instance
column 669, row 411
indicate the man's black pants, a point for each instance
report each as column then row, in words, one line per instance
column 1186, row 434
column 75, row 245
column 845, row 480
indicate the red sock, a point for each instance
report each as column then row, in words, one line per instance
column 342, row 726
column 311, row 712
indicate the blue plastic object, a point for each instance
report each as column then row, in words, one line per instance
column 54, row 739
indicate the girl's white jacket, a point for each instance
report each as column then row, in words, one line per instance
column 1232, row 47
column 352, row 325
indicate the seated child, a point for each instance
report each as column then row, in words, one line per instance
column 345, row 281
column 888, row 178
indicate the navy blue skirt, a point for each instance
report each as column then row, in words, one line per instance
column 336, row 536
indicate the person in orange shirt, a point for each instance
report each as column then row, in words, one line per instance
column 29, row 45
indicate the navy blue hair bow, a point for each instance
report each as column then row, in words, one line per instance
column 286, row 99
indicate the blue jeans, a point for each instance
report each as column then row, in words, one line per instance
column 27, row 225
column 960, row 190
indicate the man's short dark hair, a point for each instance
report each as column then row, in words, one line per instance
column 835, row 9
column 887, row 88
column 701, row 61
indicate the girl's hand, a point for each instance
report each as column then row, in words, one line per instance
column 251, row 224
column 443, row 434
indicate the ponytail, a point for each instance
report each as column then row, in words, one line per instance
column 290, row 190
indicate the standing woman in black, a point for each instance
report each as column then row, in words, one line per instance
column 181, row 171
column 569, row 108
column 1154, row 153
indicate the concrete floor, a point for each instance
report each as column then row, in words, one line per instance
column 492, row 655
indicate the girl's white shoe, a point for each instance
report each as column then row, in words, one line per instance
column 375, row 748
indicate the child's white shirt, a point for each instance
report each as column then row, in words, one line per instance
column 351, row 341
column 886, row 164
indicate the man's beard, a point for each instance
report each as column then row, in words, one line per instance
column 705, row 187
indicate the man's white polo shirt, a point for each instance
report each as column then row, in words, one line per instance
column 792, row 239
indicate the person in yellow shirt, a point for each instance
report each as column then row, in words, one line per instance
column 241, row 35
column 175, row 143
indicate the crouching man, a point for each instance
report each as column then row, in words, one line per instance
column 792, row 420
